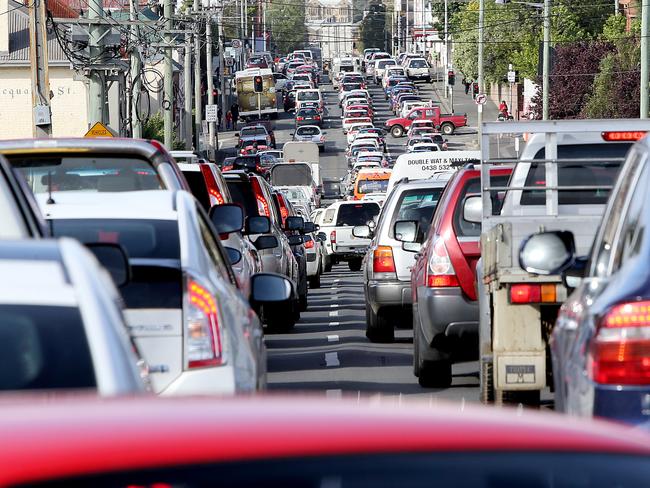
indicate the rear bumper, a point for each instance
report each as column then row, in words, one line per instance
column 218, row 380
column 349, row 252
column 312, row 264
column 388, row 294
column 446, row 312
column 625, row 404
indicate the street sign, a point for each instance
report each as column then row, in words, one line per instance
column 229, row 61
column 512, row 76
column 212, row 113
column 99, row 130
column 480, row 99
column 236, row 43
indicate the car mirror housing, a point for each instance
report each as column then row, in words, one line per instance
column 257, row 224
column 547, row 253
column 227, row 218
column 267, row 288
column 309, row 227
column 266, row 242
column 473, row 209
column 361, row 231
column 234, row 256
column 412, row 246
column 295, row 240
column 294, row 223
column 406, row 231
column 114, row 259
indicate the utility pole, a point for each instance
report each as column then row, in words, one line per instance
column 446, row 63
column 645, row 78
column 41, row 111
column 168, row 73
column 213, row 140
column 198, row 112
column 187, row 91
column 222, row 63
column 481, row 37
column 136, row 82
column 406, row 29
column 95, row 77
column 547, row 61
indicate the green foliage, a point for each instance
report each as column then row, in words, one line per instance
column 286, row 20
column 154, row 128
column 374, row 27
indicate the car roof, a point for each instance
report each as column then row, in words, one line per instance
column 138, row 147
column 308, row 126
column 151, row 205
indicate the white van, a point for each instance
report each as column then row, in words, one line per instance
column 313, row 95
column 418, row 166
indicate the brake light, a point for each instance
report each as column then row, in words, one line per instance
column 382, row 260
column 316, row 117
column 532, row 293
column 227, row 168
column 262, row 205
column 620, row 352
column 333, row 237
column 284, row 210
column 623, row 136
column 440, row 270
column 215, row 196
column 300, row 118
column 309, row 244
column 202, row 332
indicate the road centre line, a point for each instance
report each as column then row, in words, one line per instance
column 335, row 313
column 332, row 359
column 334, row 324
column 333, row 338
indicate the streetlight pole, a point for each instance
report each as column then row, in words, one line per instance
column 481, row 26
column 547, row 61
column 645, row 78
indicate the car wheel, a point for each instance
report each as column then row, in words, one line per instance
column 314, row 281
column 302, row 302
column 378, row 327
column 328, row 266
column 355, row 264
column 397, row 131
column 447, row 129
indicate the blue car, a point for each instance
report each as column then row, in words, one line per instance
column 600, row 345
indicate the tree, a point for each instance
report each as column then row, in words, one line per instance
column 154, row 128
column 287, row 24
column 373, row 27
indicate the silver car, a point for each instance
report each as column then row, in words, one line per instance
column 310, row 133
column 387, row 265
column 60, row 323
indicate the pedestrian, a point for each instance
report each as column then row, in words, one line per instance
column 228, row 120
column 219, row 117
column 503, row 108
column 467, row 83
column 474, row 89
column 235, row 114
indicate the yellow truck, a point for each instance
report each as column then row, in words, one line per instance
column 252, row 104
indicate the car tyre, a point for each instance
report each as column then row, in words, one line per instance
column 447, row 129
column 314, row 281
column 328, row 266
column 355, row 264
column 302, row 302
column 435, row 374
column 379, row 328
column 397, row 131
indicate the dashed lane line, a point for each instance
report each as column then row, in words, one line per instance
column 332, row 359
column 333, row 338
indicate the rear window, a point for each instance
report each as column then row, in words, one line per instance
column 307, row 112
column 385, row 62
column 242, row 193
column 418, row 63
column 356, row 214
column 602, row 173
column 372, row 186
column 309, row 96
column 112, row 173
column 43, row 347
column 153, row 248
column 294, row 174
column 416, row 205
column 472, row 186
column 307, row 131
column 198, row 187
column 346, row 68
column 253, row 131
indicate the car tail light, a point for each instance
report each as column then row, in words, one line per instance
column 382, row 260
column 262, row 205
column 623, row 136
column 203, row 345
column 620, row 352
column 333, row 237
column 533, row 293
column 309, row 244
column 284, row 210
column 215, row 196
column 440, row 270
column 300, row 118
column 316, row 117
column 227, row 168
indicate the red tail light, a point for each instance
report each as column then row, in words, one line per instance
column 316, row 117
column 227, row 168
column 532, row 293
column 262, row 205
column 309, row 244
column 284, row 210
column 300, row 118
column 623, row 136
column 382, row 260
column 333, row 237
column 202, row 332
column 620, row 352
column 440, row 270
column 216, row 198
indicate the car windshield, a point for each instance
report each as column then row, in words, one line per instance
column 356, row 213
column 309, row 96
column 418, row 63
column 253, row 131
column 307, row 131
column 372, row 186
column 86, row 173
column 417, row 204
column 44, row 348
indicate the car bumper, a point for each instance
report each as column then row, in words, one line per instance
column 388, row 294
column 630, row 405
column 218, row 380
column 349, row 252
column 446, row 311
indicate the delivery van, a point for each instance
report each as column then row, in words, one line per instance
column 371, row 180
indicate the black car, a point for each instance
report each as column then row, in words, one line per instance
column 308, row 116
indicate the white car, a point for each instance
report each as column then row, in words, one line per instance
column 418, row 69
column 354, row 93
column 424, row 147
column 61, row 326
column 409, row 105
column 183, row 308
column 380, row 67
column 347, row 123
column 418, row 124
column 355, row 128
column 392, row 71
column 310, row 133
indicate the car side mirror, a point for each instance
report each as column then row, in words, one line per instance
column 257, row 224
column 266, row 242
column 114, row 259
column 473, row 209
column 412, row 246
column 227, row 218
column 295, row 240
column 361, row 231
column 406, row 231
column 234, row 256
column 322, row 235
column 309, row 227
column 294, row 223
column 267, row 288
column 547, row 253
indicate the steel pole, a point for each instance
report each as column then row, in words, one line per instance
column 481, row 27
column 95, row 50
column 645, row 78
column 168, row 93
column 136, row 82
column 212, row 137
column 187, row 92
column 38, row 54
column 546, row 67
column 198, row 112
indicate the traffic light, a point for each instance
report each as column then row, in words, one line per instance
column 451, row 78
column 258, row 84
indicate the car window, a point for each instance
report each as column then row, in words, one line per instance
column 472, row 186
column 307, row 131
column 416, row 205
column 42, row 348
column 198, row 187
column 214, row 249
column 329, row 216
column 372, row 186
column 600, row 173
column 242, row 194
column 356, row 214
column 87, row 173
column 418, row 63
column 309, row 95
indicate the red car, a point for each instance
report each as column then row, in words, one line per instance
column 292, row 442
column 448, row 123
column 445, row 306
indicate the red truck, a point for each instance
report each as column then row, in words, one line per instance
column 447, row 123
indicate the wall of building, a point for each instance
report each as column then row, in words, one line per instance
column 68, row 104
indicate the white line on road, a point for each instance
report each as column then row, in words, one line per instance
column 334, row 324
column 335, row 313
column 332, row 338
column 334, row 305
column 332, row 359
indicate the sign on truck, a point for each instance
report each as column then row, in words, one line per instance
column 253, row 105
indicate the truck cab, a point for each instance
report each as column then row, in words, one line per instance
column 448, row 123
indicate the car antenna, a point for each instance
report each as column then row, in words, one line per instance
column 50, row 200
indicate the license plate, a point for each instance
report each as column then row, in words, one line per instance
column 520, row 374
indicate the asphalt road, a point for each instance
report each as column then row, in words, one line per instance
column 328, row 352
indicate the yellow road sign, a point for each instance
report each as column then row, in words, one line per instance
column 99, row 130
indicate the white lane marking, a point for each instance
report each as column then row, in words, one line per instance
column 332, row 338
column 334, row 324
column 335, row 313
column 334, row 305
column 333, row 393
column 332, row 359
column 336, row 280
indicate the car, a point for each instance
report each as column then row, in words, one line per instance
column 258, row 128
column 353, row 129
column 445, row 306
column 424, row 147
column 387, row 266
column 183, row 308
column 314, row 254
column 600, row 339
column 313, row 95
column 308, row 116
column 310, row 133
column 370, row 180
column 298, row 195
column 418, row 69
column 331, row 189
column 61, row 325
column 289, row 101
column 380, row 67
column 348, row 123
column 254, row 195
